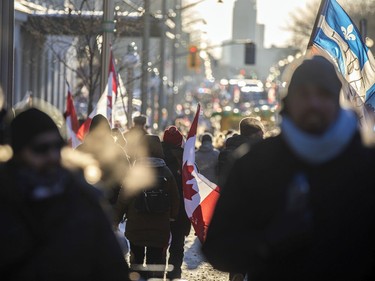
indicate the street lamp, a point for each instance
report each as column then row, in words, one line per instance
column 131, row 59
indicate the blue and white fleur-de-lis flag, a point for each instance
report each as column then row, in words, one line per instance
column 336, row 35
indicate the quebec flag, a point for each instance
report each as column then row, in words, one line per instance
column 337, row 35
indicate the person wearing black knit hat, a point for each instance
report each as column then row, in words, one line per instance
column 36, row 142
column 300, row 205
column 55, row 223
column 146, row 226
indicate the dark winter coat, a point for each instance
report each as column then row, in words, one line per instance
column 173, row 159
column 229, row 154
column 67, row 236
column 251, row 232
column 149, row 229
column 206, row 158
column 113, row 161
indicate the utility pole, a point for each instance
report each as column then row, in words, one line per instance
column 162, row 63
column 6, row 52
column 175, row 47
column 108, row 28
column 145, row 57
column 131, row 60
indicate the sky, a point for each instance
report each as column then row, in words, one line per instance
column 273, row 13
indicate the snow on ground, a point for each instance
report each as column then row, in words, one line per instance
column 195, row 268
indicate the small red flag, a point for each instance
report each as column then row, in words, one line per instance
column 71, row 120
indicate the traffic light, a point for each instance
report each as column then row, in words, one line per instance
column 193, row 58
column 250, row 53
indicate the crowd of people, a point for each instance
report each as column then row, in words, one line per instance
column 297, row 205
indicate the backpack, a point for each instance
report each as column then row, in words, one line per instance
column 154, row 199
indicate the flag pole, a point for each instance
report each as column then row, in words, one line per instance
column 312, row 36
column 122, row 97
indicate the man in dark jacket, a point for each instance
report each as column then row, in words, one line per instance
column 146, row 228
column 180, row 227
column 113, row 160
column 133, row 136
column 53, row 225
column 251, row 131
column 308, row 212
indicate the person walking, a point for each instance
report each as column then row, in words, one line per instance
column 133, row 136
column 251, row 130
column 112, row 158
column 54, row 226
column 148, row 222
column 206, row 157
column 309, row 211
column 180, row 227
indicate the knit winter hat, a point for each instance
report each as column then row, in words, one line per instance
column 173, row 136
column 29, row 124
column 319, row 71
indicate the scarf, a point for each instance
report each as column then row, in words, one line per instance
column 319, row 149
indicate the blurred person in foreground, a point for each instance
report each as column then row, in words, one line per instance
column 308, row 212
column 112, row 158
column 173, row 142
column 54, row 226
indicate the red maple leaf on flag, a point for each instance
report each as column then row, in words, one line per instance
column 199, row 201
column 187, row 171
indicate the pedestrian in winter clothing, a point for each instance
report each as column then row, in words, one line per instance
column 180, row 228
column 251, row 131
column 112, row 158
column 206, row 158
column 309, row 213
column 147, row 228
column 133, row 137
column 53, row 223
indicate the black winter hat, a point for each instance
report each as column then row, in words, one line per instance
column 319, row 71
column 29, row 124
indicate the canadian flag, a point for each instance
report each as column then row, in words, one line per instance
column 200, row 194
column 105, row 102
column 71, row 120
